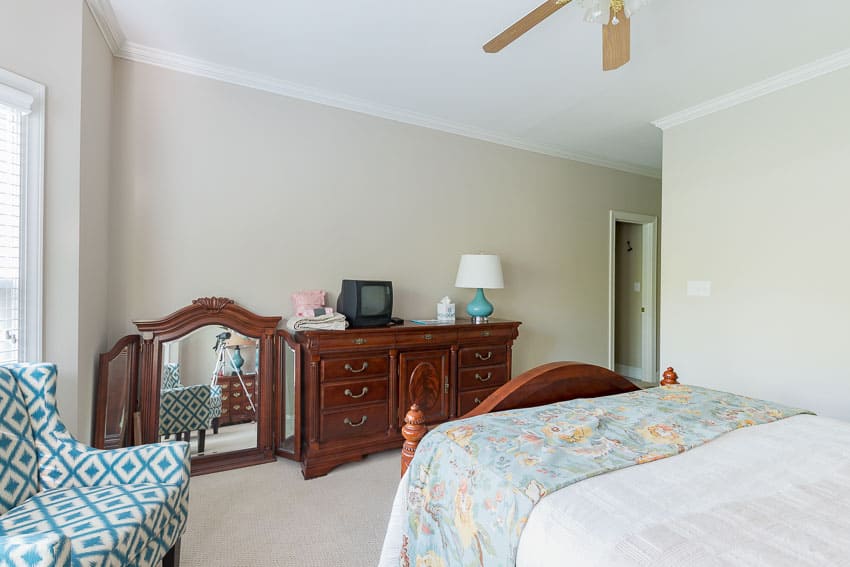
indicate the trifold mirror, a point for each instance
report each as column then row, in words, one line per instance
column 205, row 375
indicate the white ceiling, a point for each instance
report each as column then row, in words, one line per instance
column 421, row 61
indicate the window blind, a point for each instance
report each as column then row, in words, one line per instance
column 11, row 159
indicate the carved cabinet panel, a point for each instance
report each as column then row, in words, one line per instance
column 424, row 379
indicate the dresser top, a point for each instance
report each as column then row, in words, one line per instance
column 409, row 326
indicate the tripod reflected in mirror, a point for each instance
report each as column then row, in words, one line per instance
column 228, row 352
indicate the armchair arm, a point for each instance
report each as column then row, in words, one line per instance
column 49, row 549
column 157, row 463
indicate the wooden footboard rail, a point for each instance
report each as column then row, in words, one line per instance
column 546, row 384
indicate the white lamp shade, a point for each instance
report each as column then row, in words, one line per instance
column 480, row 270
column 238, row 340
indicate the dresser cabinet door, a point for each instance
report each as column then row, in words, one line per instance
column 424, row 380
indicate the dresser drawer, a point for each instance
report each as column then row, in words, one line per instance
column 484, row 333
column 482, row 377
column 349, row 340
column 352, row 393
column 468, row 401
column 484, row 355
column 427, row 336
column 353, row 367
column 353, row 422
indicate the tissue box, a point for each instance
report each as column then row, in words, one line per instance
column 445, row 312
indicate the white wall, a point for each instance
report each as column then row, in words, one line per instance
column 223, row 190
column 756, row 200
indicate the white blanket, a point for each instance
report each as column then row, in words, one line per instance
column 775, row 494
column 328, row 322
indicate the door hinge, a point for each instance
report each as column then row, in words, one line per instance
column 446, row 385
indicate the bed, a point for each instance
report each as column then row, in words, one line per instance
column 777, row 493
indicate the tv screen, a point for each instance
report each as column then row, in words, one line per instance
column 366, row 303
column 373, row 299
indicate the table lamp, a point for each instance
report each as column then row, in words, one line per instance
column 481, row 271
column 237, row 342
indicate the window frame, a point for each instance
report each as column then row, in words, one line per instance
column 32, row 215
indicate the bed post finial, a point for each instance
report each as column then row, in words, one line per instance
column 413, row 431
column 670, row 377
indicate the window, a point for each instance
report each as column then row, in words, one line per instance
column 21, row 188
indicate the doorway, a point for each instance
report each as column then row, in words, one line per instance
column 632, row 296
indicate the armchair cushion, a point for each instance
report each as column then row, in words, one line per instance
column 39, row 550
column 18, row 462
column 107, row 525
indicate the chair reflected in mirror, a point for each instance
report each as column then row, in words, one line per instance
column 184, row 409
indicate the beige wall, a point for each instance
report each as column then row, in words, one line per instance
column 41, row 39
column 56, row 43
column 628, row 269
column 303, row 195
column 94, row 211
column 755, row 200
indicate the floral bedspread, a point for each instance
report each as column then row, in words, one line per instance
column 473, row 483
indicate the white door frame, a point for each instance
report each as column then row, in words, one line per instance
column 649, row 226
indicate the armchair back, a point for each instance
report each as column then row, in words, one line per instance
column 18, row 462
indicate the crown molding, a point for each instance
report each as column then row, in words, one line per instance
column 105, row 18
column 190, row 65
column 773, row 84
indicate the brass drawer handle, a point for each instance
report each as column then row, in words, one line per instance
column 477, row 400
column 359, row 341
column 351, row 394
column 481, row 378
column 361, row 369
column 480, row 356
column 485, row 333
column 347, row 421
column 428, row 336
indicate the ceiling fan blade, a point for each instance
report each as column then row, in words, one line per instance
column 520, row 27
column 616, row 43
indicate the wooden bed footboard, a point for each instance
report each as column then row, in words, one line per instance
column 546, row 384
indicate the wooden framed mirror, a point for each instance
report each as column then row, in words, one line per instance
column 116, row 396
column 206, row 376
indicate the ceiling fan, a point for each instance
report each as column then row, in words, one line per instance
column 614, row 15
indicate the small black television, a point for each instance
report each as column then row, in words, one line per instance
column 366, row 303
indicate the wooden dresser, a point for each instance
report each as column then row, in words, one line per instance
column 357, row 385
column 235, row 407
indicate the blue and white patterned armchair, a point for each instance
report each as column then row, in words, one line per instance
column 63, row 503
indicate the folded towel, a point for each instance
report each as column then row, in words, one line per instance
column 330, row 322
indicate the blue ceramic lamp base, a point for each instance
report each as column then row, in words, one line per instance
column 479, row 309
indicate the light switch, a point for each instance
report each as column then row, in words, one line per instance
column 699, row 288
column 637, row 286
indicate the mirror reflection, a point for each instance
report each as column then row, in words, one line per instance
column 210, row 390
column 117, row 400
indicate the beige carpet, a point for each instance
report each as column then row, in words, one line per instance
column 229, row 438
column 269, row 515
